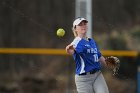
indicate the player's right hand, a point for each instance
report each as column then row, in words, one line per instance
column 70, row 49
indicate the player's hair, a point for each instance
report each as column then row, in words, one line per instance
column 74, row 31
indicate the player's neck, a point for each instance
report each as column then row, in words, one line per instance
column 86, row 38
column 83, row 37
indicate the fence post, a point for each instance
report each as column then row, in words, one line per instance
column 138, row 78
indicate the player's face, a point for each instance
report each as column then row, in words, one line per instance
column 82, row 28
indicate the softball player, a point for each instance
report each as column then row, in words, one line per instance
column 88, row 77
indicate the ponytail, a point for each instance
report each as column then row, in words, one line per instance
column 74, row 32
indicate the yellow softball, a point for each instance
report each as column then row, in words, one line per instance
column 60, row 32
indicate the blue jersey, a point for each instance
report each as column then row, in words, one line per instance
column 86, row 55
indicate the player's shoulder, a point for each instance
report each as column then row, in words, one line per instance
column 92, row 39
column 76, row 41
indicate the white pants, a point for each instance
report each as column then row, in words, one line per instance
column 92, row 83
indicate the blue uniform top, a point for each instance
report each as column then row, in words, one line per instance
column 86, row 55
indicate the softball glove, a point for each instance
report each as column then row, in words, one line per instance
column 113, row 63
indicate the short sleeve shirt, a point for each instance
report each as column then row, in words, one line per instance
column 86, row 55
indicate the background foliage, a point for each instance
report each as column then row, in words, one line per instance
column 33, row 24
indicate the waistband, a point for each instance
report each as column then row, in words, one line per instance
column 90, row 72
